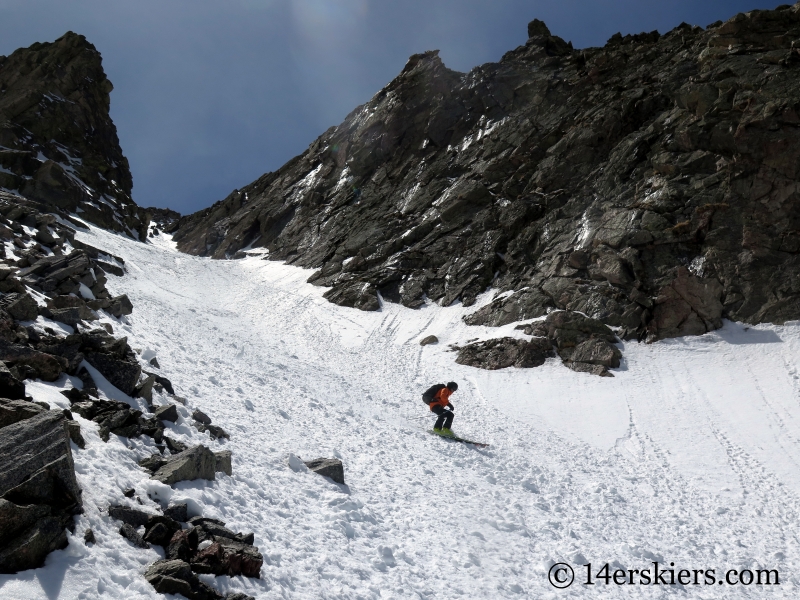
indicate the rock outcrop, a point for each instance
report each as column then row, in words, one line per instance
column 650, row 184
column 58, row 145
column 505, row 352
column 584, row 344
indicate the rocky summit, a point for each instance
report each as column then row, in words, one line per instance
column 58, row 144
column 650, row 184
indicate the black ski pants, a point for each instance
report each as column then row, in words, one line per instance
column 445, row 417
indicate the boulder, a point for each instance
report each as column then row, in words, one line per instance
column 122, row 374
column 194, row 463
column 21, row 307
column 68, row 316
column 596, row 352
column 12, row 411
column 505, row 352
column 120, row 306
column 36, row 462
column 129, row 533
column 327, row 467
column 43, row 366
column 125, row 422
column 74, row 429
column 159, row 535
column 167, row 412
column 430, row 339
column 228, row 557
column 222, row 462
column 131, row 516
column 183, row 544
column 144, row 389
column 586, row 345
column 38, row 490
column 567, row 329
column 110, row 268
column 10, row 387
column 160, row 529
column 360, row 295
column 178, row 512
column 201, row 417
column 163, row 381
column 29, row 547
column 174, row 446
column 153, row 462
column 215, row 431
column 524, row 304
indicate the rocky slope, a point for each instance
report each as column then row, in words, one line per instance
column 52, row 294
column 651, row 184
column 58, row 145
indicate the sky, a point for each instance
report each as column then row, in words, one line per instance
column 209, row 95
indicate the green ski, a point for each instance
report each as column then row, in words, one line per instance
column 455, row 438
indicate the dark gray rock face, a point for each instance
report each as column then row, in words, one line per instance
column 38, row 490
column 429, row 339
column 587, row 180
column 60, row 147
column 327, row 467
column 195, row 463
column 505, row 352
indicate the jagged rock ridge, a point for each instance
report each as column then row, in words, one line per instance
column 651, row 184
column 58, row 144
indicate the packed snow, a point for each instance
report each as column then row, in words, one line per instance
column 689, row 455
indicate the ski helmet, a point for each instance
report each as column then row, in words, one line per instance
column 453, row 386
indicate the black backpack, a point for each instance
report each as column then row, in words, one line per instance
column 431, row 392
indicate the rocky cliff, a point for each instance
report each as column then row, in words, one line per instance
column 651, row 183
column 58, row 145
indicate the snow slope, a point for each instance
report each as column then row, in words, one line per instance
column 690, row 454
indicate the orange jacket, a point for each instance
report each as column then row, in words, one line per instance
column 442, row 398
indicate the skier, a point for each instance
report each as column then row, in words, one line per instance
column 439, row 405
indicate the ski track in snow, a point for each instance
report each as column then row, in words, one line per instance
column 691, row 454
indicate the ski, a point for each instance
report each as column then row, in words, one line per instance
column 455, row 438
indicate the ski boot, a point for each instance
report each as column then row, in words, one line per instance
column 447, row 432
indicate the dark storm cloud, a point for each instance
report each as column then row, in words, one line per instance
column 210, row 95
